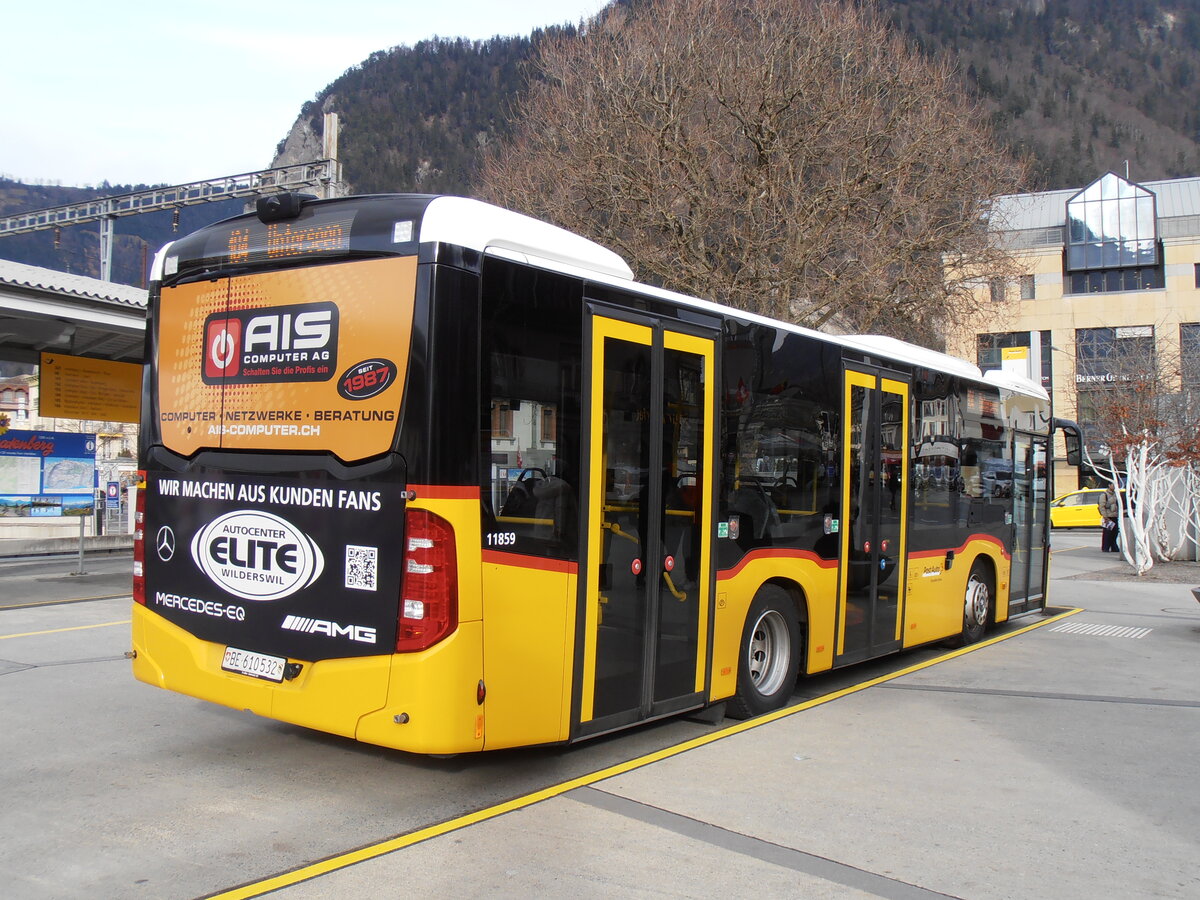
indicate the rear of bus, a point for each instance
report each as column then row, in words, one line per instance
column 294, row 558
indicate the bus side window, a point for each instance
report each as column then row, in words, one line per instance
column 530, row 415
column 781, row 427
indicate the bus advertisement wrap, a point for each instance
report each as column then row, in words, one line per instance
column 250, row 562
column 297, row 359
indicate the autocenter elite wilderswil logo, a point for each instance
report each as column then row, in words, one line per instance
column 257, row 555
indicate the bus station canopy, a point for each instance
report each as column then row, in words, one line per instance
column 42, row 310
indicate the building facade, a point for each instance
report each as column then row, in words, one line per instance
column 18, row 400
column 1111, row 280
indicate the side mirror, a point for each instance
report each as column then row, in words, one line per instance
column 1073, row 438
column 1074, row 453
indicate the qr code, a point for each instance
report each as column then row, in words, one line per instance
column 362, row 567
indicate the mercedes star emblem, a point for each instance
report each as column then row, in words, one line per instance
column 165, row 542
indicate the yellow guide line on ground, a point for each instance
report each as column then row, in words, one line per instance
column 341, row 861
column 5, row 637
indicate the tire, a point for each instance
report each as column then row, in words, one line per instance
column 977, row 605
column 769, row 659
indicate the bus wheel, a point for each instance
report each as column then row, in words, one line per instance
column 977, row 605
column 769, row 660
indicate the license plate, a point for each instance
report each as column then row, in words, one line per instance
column 256, row 665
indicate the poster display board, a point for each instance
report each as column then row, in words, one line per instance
column 47, row 473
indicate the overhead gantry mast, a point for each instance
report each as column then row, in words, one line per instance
column 323, row 175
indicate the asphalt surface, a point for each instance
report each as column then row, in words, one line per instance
column 1058, row 761
column 26, row 580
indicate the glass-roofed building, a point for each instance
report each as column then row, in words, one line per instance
column 1111, row 272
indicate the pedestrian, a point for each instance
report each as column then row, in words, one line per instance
column 1110, row 510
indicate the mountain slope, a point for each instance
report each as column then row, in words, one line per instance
column 415, row 118
column 1080, row 85
column 1083, row 86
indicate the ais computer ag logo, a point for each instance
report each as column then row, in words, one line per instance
column 278, row 343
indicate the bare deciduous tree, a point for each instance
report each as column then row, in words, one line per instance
column 1139, row 401
column 790, row 157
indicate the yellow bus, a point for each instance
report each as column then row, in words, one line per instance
column 441, row 477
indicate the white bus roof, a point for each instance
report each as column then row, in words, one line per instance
column 490, row 229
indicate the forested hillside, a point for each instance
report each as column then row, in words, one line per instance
column 416, row 118
column 1084, row 86
column 1080, row 85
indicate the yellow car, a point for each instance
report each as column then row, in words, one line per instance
column 1077, row 509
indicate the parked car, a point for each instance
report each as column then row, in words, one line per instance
column 1078, row 509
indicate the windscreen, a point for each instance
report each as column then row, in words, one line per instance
column 307, row 359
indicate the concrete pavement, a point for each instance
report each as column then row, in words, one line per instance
column 1060, row 763
column 32, row 580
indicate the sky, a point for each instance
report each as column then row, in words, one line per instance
column 132, row 92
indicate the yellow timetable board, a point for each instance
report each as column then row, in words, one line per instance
column 78, row 387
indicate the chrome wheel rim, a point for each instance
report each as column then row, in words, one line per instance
column 977, row 602
column 769, row 652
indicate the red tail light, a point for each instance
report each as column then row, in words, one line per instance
column 139, row 541
column 429, row 584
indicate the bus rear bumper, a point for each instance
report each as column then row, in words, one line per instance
column 421, row 702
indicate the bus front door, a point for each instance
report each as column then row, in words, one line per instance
column 1027, row 588
column 874, row 509
column 644, row 628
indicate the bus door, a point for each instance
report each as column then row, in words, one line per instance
column 1027, row 589
column 648, row 585
column 874, row 509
